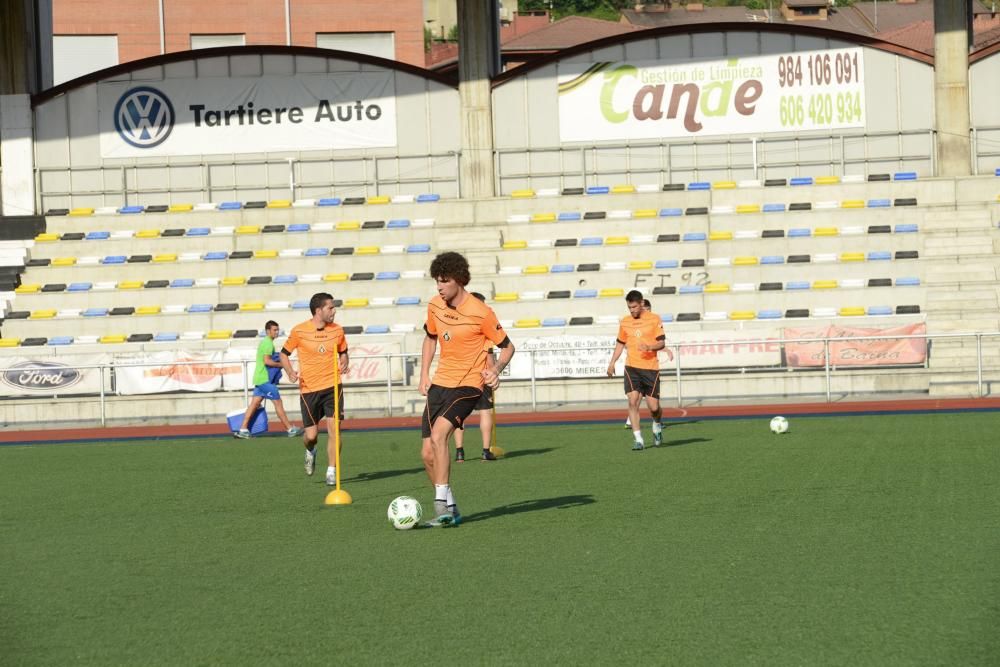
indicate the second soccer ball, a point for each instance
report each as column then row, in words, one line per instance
column 779, row 425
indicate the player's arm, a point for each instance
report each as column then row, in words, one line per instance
column 619, row 346
column 345, row 362
column 286, row 364
column 661, row 342
column 271, row 363
column 427, row 351
column 491, row 375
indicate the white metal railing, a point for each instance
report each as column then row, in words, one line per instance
column 409, row 379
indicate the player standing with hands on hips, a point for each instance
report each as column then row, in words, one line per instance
column 461, row 324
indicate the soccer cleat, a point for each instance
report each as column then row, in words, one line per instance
column 294, row 431
column 242, row 434
column 628, row 423
column 444, row 517
column 331, row 477
column 456, row 516
column 459, row 454
column 310, row 461
column 637, row 446
column 488, row 455
column 657, row 439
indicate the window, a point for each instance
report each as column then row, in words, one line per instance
column 76, row 55
column 212, row 41
column 381, row 44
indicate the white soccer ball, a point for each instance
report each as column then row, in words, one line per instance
column 405, row 513
column 779, row 425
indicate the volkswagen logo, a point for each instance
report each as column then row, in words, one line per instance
column 144, row 117
column 41, row 375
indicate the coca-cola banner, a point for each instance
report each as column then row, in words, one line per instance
column 52, row 376
column 872, row 352
column 367, row 365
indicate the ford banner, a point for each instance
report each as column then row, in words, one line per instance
column 54, row 376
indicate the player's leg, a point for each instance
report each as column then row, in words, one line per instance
column 486, row 426
column 459, row 445
column 244, row 431
column 439, row 470
column 653, row 403
column 633, row 413
column 331, row 428
column 310, row 431
column 279, row 409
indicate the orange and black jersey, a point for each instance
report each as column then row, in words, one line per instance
column 316, row 348
column 633, row 331
column 464, row 333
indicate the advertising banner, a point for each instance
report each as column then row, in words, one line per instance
column 247, row 115
column 872, row 352
column 793, row 92
column 174, row 370
column 367, row 365
column 52, row 376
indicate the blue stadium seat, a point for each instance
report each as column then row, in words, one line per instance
column 166, row 337
column 904, row 176
column 387, row 275
column 95, row 312
column 297, row 227
column 801, row 180
column 124, row 210
column 329, row 201
column 879, row 203
column 61, row 340
column 690, row 289
column 301, row 304
column 772, row 259
column 797, row 284
column 200, row 308
column 907, row 282
column 554, row 322
column 774, row 208
column 694, row 236
column 407, row 300
column 879, row 255
column 562, row 268
column 569, row 216
column 182, row 282
column 671, row 212
column 418, row 247
column 397, row 224
column 879, row 310
column 425, row 198
column 592, row 240
column 768, row 314
column 799, row 232
column 97, row 236
column 285, row 279
column 906, row 228
column 598, row 190
column 700, row 185
column 79, row 287
column 230, row 206
column 666, row 317
column 198, row 231
column 585, row 294
column 377, row 329
column 114, row 259
column 215, row 255
column 317, row 252
column 666, row 264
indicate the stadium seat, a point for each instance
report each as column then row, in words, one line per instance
column 748, row 208
column 428, row 198
column 60, row 340
column 387, row 275
column 79, row 287
column 377, row 329
column 561, row 268
column 230, row 206
column 907, row 282
column 799, row 232
column 95, row 312
column 774, row 208
column 827, row 180
column 671, row 212
column 666, row 264
column 800, row 180
column 81, row 212
column 112, row 339
column 218, row 334
column 904, row 176
column 691, row 289
column 694, row 237
column 243, row 230
column 418, row 248
column 148, row 310
column 699, row 185
column 879, row 203
column 407, row 300
column 879, row 310
column 197, row 231
column 597, row 190
column 768, row 314
column 585, row 294
column 554, row 322
column 879, row 255
column 114, row 259
column 907, row 228
column 797, row 285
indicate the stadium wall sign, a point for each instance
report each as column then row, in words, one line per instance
column 806, row 90
column 247, row 115
column 873, row 352
column 34, row 377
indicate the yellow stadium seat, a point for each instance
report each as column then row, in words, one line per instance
column 543, row 217
column 611, row 292
column 147, row 310
column 348, row 226
column 644, row 213
column 380, row 199
column 336, row 277
column 826, row 180
column 180, row 208
column 27, row 288
column 79, row 212
column 10, row 342
column 232, row 281
column 111, row 339
column 622, row 189
column 536, row 269
column 505, row 296
column 279, row 203
column 640, row 265
column 852, row 257
column 745, row 261
column 716, row 288
column 742, row 315
column 46, row 238
column 130, row 284
column 522, row 194
column 366, row 250
column 147, row 233
column 265, row 254
column 824, row 284
column 529, row 323
column 165, row 257
column 45, row 314
column 514, row 245
column 63, row 261
column 852, row 311
column 355, row 303
column 219, row 334
column 248, row 229
column 720, row 236
column 826, row 231
column 852, row 203
column 252, row 305
column 616, row 240
column 748, row 208
column 724, row 185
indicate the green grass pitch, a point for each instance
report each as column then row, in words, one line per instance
column 868, row 540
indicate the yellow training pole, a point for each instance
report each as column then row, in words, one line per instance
column 338, row 496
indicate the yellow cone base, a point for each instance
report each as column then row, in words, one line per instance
column 497, row 451
column 338, row 497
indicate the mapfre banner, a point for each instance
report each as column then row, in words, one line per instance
column 871, row 352
column 247, row 115
column 52, row 376
column 792, row 92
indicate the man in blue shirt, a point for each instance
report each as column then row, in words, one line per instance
column 266, row 375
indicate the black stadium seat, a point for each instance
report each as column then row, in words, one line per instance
column 692, row 262
column 342, row 251
column 800, row 206
column 18, row 315
column 157, row 208
column 773, row 234
column 166, row 233
column 879, row 177
column 241, row 254
column 770, row 287
column 572, row 191
column 259, row 280
column 880, row 282
column 664, row 289
column 879, row 229
column 122, row 310
column 797, row 312
column 565, row 243
column 54, row 287
column 798, row 259
column 255, row 204
column 668, row 238
column 688, row 317
column 558, row 294
column 353, row 201
column 907, row 254
column 139, row 338
column 771, row 182
column 156, row 284
column 363, row 276
column 673, row 187
column 595, row 215
column 353, row 330
column 272, row 229
column 580, row 321
column 72, row 236
column 245, row 333
column 226, row 307
column 696, row 210
column 589, row 267
column 41, row 261
column 139, row 259
column 34, row 341
column 907, row 310
column 373, row 224
column 905, row 201
column 57, row 211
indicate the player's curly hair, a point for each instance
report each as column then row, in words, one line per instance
column 634, row 296
column 451, row 265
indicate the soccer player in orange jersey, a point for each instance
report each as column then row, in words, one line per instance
column 316, row 340
column 462, row 324
column 485, row 408
column 641, row 333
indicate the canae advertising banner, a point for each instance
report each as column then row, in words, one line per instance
column 255, row 115
column 793, row 92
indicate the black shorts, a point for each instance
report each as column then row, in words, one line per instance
column 642, row 380
column 453, row 403
column 485, row 401
column 318, row 404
